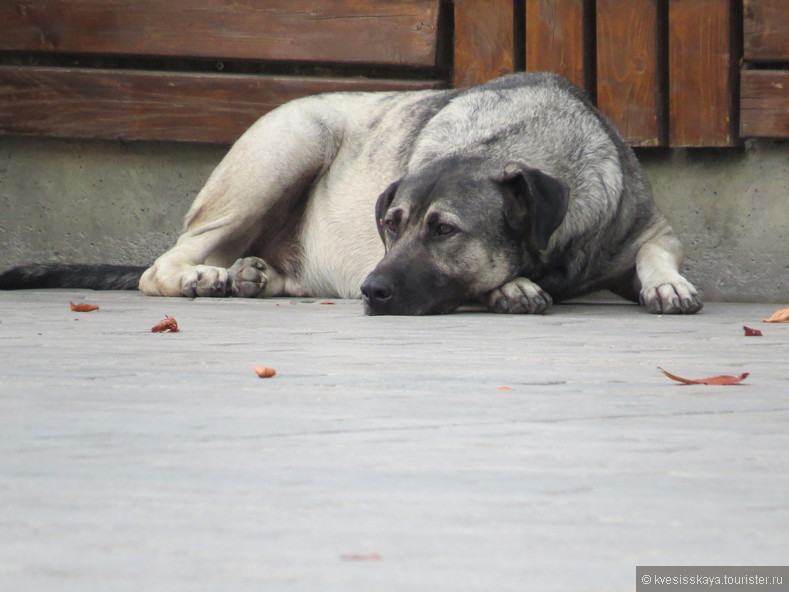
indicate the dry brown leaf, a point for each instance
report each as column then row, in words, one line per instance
column 166, row 325
column 779, row 316
column 83, row 307
column 264, row 371
column 751, row 332
column 717, row 380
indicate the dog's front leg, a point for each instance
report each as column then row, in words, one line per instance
column 663, row 288
column 521, row 295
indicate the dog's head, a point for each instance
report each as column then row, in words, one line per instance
column 454, row 231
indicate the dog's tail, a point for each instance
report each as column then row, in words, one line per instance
column 80, row 275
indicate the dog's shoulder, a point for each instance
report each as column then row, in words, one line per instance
column 523, row 116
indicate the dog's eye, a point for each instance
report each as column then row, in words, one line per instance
column 391, row 225
column 444, row 229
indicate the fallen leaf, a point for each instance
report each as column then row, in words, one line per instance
column 717, row 380
column 751, row 332
column 83, row 307
column 328, row 302
column 362, row 557
column 779, row 316
column 264, row 371
column 505, row 388
column 166, row 325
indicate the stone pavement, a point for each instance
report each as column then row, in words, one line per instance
column 386, row 454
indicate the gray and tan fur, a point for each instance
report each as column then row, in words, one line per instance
column 514, row 193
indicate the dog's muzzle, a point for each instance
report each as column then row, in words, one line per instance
column 378, row 294
column 409, row 291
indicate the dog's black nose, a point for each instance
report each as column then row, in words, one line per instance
column 377, row 291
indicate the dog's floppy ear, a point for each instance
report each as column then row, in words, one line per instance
column 534, row 201
column 383, row 203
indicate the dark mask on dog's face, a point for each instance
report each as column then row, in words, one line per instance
column 453, row 234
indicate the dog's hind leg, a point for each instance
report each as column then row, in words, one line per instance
column 663, row 288
column 263, row 179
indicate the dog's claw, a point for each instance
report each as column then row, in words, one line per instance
column 519, row 296
column 218, row 288
column 205, row 281
column 679, row 297
column 537, row 304
column 247, row 278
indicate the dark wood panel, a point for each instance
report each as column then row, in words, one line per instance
column 154, row 105
column 557, row 39
column 629, row 55
column 764, row 103
column 401, row 32
column 701, row 109
column 484, row 40
column 766, row 30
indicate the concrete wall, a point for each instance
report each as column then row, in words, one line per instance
column 116, row 202
column 730, row 207
column 113, row 202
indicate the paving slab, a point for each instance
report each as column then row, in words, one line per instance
column 469, row 451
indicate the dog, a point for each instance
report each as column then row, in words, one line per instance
column 513, row 194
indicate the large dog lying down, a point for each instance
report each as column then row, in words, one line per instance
column 514, row 193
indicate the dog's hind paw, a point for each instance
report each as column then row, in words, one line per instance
column 248, row 277
column 677, row 297
column 521, row 295
column 205, row 281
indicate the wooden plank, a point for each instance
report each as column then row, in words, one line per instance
column 764, row 103
column 154, row 105
column 766, row 30
column 558, row 39
column 629, row 60
column 701, row 95
column 484, row 40
column 399, row 32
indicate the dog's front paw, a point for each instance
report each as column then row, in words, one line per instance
column 248, row 277
column 519, row 296
column 204, row 280
column 675, row 297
